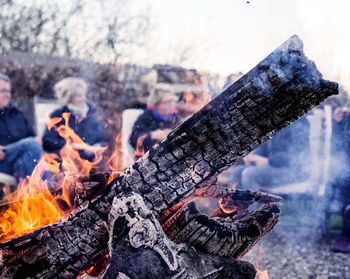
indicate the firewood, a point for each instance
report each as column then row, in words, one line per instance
column 277, row 91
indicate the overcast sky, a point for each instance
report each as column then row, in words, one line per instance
column 233, row 35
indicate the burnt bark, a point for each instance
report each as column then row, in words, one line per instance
column 278, row 90
column 139, row 249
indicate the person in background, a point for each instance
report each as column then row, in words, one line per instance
column 188, row 104
column 192, row 100
column 20, row 151
column 342, row 243
column 281, row 160
column 340, row 182
column 71, row 93
column 157, row 121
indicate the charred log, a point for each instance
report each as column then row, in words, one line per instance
column 277, row 91
column 140, row 249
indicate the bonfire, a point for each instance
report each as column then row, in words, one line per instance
column 144, row 222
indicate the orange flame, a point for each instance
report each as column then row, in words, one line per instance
column 139, row 151
column 31, row 206
column 52, row 122
column 115, row 162
column 34, row 205
column 262, row 274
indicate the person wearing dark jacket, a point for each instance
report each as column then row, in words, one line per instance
column 71, row 93
column 340, row 179
column 19, row 149
column 157, row 121
column 281, row 160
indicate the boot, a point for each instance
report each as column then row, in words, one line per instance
column 342, row 244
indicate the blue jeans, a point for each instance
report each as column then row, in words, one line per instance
column 21, row 158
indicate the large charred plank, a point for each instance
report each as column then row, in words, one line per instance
column 277, row 91
column 280, row 89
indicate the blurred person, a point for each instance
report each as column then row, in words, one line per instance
column 188, row 104
column 342, row 243
column 71, row 93
column 340, row 179
column 280, row 160
column 191, row 101
column 20, row 151
column 158, row 120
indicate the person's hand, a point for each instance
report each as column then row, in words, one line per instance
column 2, row 152
column 80, row 146
column 256, row 160
column 88, row 150
column 259, row 160
column 339, row 114
column 248, row 159
column 38, row 140
column 186, row 107
column 159, row 134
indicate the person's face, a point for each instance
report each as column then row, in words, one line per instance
column 167, row 104
column 188, row 96
column 5, row 93
column 79, row 98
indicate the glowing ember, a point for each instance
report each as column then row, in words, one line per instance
column 98, row 267
column 39, row 202
column 226, row 206
column 225, row 209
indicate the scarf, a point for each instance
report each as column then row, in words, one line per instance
column 78, row 111
column 163, row 118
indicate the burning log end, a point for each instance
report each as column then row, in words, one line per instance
column 144, row 229
column 137, row 239
column 218, row 236
column 70, row 243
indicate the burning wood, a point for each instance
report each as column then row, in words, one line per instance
column 123, row 219
column 34, row 205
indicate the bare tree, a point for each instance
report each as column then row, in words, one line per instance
column 97, row 30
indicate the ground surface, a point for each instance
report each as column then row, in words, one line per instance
column 298, row 254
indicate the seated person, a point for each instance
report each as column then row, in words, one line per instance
column 281, row 160
column 19, row 150
column 157, row 121
column 71, row 93
column 190, row 102
column 340, row 178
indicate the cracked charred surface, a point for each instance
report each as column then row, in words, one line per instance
column 227, row 234
column 132, row 225
column 277, row 91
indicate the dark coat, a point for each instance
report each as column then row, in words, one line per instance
column 90, row 130
column 147, row 123
column 290, row 147
column 13, row 126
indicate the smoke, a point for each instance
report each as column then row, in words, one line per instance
column 317, row 150
column 324, row 157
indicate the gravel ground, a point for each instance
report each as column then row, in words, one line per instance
column 296, row 253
